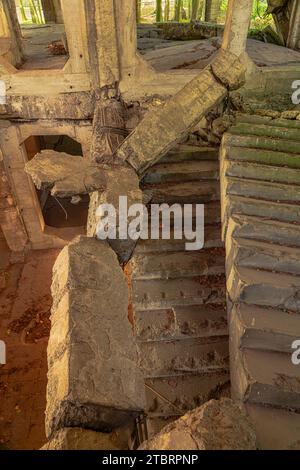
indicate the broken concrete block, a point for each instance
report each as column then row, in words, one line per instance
column 94, row 380
column 217, row 425
column 163, row 127
column 122, row 181
column 84, row 439
column 65, row 175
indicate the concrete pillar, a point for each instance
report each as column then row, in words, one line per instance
column 237, row 26
column 294, row 31
column 10, row 28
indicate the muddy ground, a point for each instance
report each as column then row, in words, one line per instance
column 25, row 303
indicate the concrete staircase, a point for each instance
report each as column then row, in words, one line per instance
column 178, row 297
column 260, row 181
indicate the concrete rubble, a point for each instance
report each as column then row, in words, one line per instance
column 217, row 425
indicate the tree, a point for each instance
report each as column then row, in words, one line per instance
column 212, row 10
column 159, row 14
column 178, row 10
column 23, row 12
column 167, row 11
column 197, row 8
column 138, row 10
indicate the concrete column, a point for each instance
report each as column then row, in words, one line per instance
column 237, row 26
column 294, row 32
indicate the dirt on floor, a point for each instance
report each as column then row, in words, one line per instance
column 25, row 303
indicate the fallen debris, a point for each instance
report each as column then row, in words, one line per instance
column 217, row 425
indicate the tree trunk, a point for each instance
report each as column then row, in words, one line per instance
column 159, row 14
column 212, row 10
column 138, row 11
column 197, row 8
column 49, row 11
column 167, row 11
column 293, row 40
column 178, row 10
column 23, row 13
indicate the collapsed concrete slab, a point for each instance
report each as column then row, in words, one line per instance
column 65, row 175
column 94, row 380
column 84, row 439
column 122, row 181
column 169, row 124
column 217, row 425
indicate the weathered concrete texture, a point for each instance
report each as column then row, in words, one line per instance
column 78, row 105
column 84, row 439
column 217, row 425
column 94, row 379
column 10, row 220
column 121, row 180
column 260, row 211
column 163, row 127
column 66, row 175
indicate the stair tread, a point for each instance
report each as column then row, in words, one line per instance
column 181, row 264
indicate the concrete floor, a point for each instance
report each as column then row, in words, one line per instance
column 162, row 54
column 25, row 303
column 197, row 54
column 36, row 42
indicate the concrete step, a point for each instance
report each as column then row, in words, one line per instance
column 276, row 429
column 262, row 142
column 269, row 231
column 212, row 240
column 201, row 321
column 189, row 355
column 270, row 157
column 268, row 379
column 258, row 172
column 175, row 395
column 160, row 294
column 183, row 153
column 264, row 288
column 261, row 255
column 274, row 132
column 264, row 190
column 178, row 265
column 277, row 211
column 184, row 193
column 183, row 171
column 265, row 329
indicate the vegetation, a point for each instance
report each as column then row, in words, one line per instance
column 30, row 11
column 150, row 11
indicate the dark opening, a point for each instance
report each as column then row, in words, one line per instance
column 59, row 213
